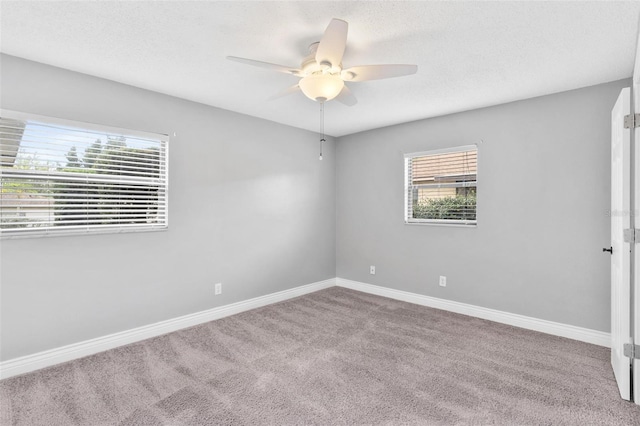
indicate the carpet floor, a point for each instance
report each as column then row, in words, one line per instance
column 336, row 356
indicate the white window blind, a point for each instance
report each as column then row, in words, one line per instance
column 441, row 186
column 59, row 177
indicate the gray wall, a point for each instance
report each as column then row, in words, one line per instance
column 250, row 206
column 544, row 176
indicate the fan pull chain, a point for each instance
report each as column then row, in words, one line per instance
column 321, row 127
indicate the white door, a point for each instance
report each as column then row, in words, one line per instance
column 636, row 293
column 620, row 256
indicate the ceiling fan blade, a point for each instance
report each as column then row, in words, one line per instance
column 333, row 43
column 346, row 97
column 377, row 72
column 267, row 65
column 288, row 91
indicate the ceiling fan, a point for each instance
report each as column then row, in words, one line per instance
column 322, row 77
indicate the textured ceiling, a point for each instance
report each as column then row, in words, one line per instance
column 469, row 54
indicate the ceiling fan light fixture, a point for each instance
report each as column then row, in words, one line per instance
column 321, row 87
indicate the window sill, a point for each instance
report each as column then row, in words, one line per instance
column 77, row 233
column 454, row 225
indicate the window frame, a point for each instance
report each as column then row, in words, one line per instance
column 6, row 234
column 408, row 187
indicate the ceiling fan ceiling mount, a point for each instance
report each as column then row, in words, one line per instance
column 322, row 74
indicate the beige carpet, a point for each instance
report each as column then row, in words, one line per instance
column 332, row 357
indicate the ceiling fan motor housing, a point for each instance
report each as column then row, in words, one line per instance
column 311, row 66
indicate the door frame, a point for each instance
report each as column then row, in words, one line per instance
column 635, row 217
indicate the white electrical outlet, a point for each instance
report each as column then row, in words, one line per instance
column 218, row 289
column 372, row 270
column 443, row 281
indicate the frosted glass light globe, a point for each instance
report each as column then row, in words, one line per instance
column 321, row 87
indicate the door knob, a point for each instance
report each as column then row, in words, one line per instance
column 610, row 249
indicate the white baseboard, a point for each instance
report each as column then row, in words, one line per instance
column 557, row 329
column 51, row 357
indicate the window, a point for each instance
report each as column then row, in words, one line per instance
column 441, row 186
column 60, row 177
